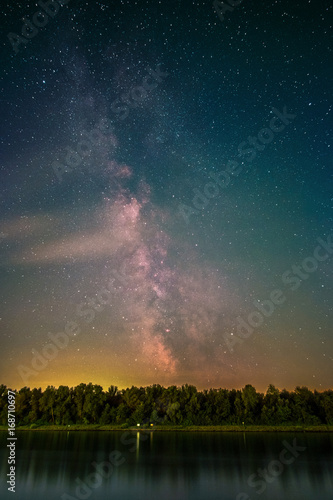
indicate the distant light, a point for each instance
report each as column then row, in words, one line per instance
column 138, row 425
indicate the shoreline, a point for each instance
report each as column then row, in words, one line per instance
column 216, row 428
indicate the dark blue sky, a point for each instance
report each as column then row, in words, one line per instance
column 192, row 155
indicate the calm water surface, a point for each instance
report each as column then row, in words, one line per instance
column 170, row 466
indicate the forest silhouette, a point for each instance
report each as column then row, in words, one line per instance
column 185, row 406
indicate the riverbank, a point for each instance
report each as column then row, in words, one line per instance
column 159, row 428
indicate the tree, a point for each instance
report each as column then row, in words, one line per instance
column 327, row 404
column 3, row 404
column 64, row 406
column 239, row 408
column 22, row 405
column 138, row 416
column 123, row 412
column 35, row 413
column 173, row 414
column 250, row 400
column 106, row 417
column 79, row 394
column 47, row 404
column 113, row 396
column 223, row 407
column 89, row 403
column 93, row 403
column 305, row 406
column 271, row 402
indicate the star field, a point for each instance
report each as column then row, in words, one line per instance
column 165, row 178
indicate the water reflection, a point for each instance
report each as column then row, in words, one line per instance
column 137, row 444
column 194, row 466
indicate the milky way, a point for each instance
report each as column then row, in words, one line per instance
column 117, row 121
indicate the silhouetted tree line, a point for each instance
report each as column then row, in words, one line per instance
column 90, row 404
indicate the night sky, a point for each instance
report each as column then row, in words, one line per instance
column 166, row 194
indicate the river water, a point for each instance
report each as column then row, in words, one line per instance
column 169, row 466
